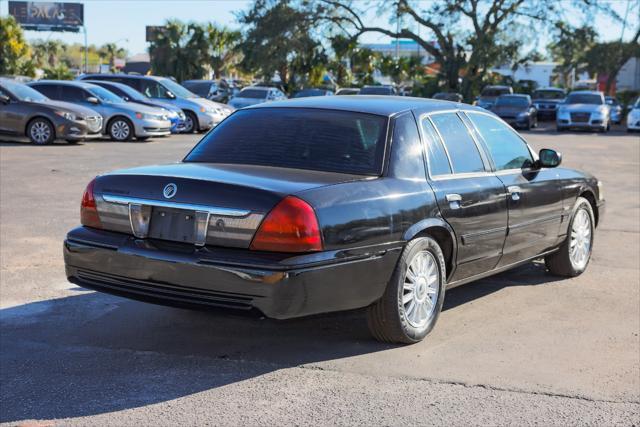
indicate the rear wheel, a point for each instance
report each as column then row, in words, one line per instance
column 574, row 254
column 120, row 129
column 40, row 131
column 412, row 301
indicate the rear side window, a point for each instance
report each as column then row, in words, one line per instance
column 199, row 88
column 152, row 89
column 463, row 152
column 333, row 141
column 73, row 94
column 436, row 155
column 507, row 149
column 407, row 161
column 50, row 91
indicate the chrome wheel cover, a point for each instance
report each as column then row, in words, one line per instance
column 120, row 130
column 40, row 132
column 188, row 124
column 580, row 243
column 420, row 289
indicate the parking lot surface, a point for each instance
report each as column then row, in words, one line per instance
column 519, row 348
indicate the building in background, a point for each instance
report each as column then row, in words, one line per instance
column 404, row 48
column 540, row 72
column 629, row 76
column 138, row 64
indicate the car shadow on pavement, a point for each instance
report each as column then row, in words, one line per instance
column 94, row 353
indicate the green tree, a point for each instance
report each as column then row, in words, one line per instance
column 180, row 50
column 15, row 54
column 364, row 63
column 111, row 51
column 59, row 72
column 224, row 49
column 279, row 41
column 465, row 55
column 608, row 58
column 569, row 47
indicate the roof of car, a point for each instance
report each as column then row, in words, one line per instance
column 514, row 95
column 76, row 83
column 587, row 92
column 372, row 104
column 556, row 89
column 259, row 87
column 120, row 75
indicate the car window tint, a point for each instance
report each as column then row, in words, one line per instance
column 153, row 89
column 407, row 161
column 462, row 150
column 199, row 88
column 50, row 91
column 333, row 141
column 436, row 155
column 73, row 94
column 506, row 148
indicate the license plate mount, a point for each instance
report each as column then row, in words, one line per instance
column 177, row 225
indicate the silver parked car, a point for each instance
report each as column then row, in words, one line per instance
column 615, row 109
column 584, row 109
column 122, row 120
column 253, row 95
column 201, row 114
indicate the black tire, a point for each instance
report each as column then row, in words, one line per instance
column 121, row 129
column 386, row 317
column 143, row 138
column 559, row 129
column 528, row 125
column 559, row 262
column 40, row 131
column 191, row 124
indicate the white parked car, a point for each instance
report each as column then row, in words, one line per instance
column 256, row 95
column 633, row 118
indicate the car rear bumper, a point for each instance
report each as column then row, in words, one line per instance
column 280, row 286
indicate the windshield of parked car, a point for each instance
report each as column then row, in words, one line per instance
column 324, row 140
column 584, row 98
column 200, row 88
column 176, row 89
column 23, row 92
column 493, row 92
column 512, row 101
column 253, row 93
column 548, row 94
column 106, row 96
column 611, row 101
column 376, row 91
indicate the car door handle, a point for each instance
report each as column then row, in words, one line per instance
column 454, row 200
column 515, row 192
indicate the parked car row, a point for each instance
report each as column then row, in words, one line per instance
column 122, row 107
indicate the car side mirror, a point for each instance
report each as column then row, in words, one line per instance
column 93, row 100
column 5, row 99
column 126, row 98
column 170, row 95
column 549, row 158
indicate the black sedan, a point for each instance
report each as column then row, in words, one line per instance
column 323, row 204
column 517, row 110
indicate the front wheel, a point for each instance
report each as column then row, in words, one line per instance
column 121, row 129
column 190, row 122
column 413, row 299
column 40, row 131
column 573, row 256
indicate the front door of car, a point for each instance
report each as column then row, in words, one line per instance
column 12, row 115
column 470, row 198
column 534, row 196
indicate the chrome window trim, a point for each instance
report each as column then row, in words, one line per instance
column 212, row 210
column 452, row 175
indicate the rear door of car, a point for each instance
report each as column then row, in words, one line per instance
column 12, row 116
column 534, row 195
column 470, row 197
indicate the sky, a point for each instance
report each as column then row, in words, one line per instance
column 124, row 21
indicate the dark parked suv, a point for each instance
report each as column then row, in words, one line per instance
column 333, row 203
column 26, row 112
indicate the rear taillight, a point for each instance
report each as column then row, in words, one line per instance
column 88, row 210
column 291, row 226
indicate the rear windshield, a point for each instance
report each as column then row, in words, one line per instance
column 548, row 94
column 325, row 140
column 199, row 88
column 253, row 93
column 376, row 91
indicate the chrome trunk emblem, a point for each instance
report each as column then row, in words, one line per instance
column 170, row 190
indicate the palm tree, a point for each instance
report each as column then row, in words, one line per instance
column 224, row 50
column 111, row 51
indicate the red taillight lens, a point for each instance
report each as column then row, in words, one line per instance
column 291, row 226
column 88, row 210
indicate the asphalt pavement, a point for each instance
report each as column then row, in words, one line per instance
column 520, row 348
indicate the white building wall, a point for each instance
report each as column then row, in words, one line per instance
column 629, row 76
column 539, row 72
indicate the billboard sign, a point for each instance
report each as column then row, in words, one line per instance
column 48, row 16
